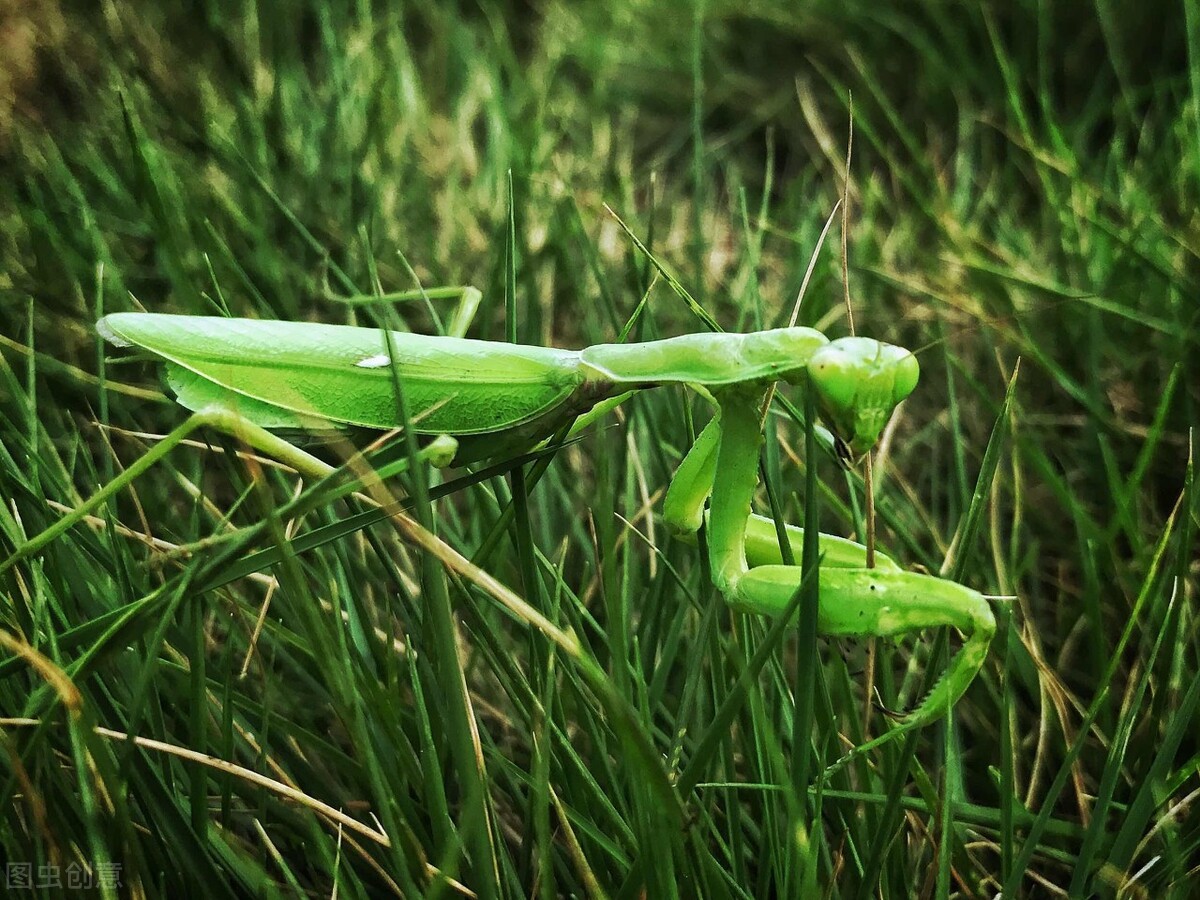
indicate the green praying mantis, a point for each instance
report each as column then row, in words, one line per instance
column 255, row 378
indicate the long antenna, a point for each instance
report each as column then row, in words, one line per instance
column 868, row 468
column 846, row 218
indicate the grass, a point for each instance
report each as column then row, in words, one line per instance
column 529, row 688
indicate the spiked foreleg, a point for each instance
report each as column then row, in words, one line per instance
column 691, row 485
column 886, row 603
column 854, row 600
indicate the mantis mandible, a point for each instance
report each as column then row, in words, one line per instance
column 249, row 377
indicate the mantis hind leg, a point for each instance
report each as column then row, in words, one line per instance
column 220, row 418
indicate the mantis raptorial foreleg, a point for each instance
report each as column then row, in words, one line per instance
column 854, row 600
column 692, row 485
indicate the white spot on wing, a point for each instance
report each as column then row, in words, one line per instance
column 374, row 362
column 106, row 331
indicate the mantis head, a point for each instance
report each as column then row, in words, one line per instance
column 859, row 383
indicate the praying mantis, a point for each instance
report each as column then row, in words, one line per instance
column 253, row 378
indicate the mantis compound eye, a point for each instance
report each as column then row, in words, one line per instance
column 859, row 382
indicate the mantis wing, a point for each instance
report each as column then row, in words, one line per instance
column 347, row 375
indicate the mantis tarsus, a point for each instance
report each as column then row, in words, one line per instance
column 247, row 376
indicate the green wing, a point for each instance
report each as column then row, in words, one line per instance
column 343, row 374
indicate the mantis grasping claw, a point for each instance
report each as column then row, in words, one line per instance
column 247, row 376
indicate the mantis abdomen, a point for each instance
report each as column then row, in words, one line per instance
column 346, row 375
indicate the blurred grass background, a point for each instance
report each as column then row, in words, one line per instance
column 1024, row 184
